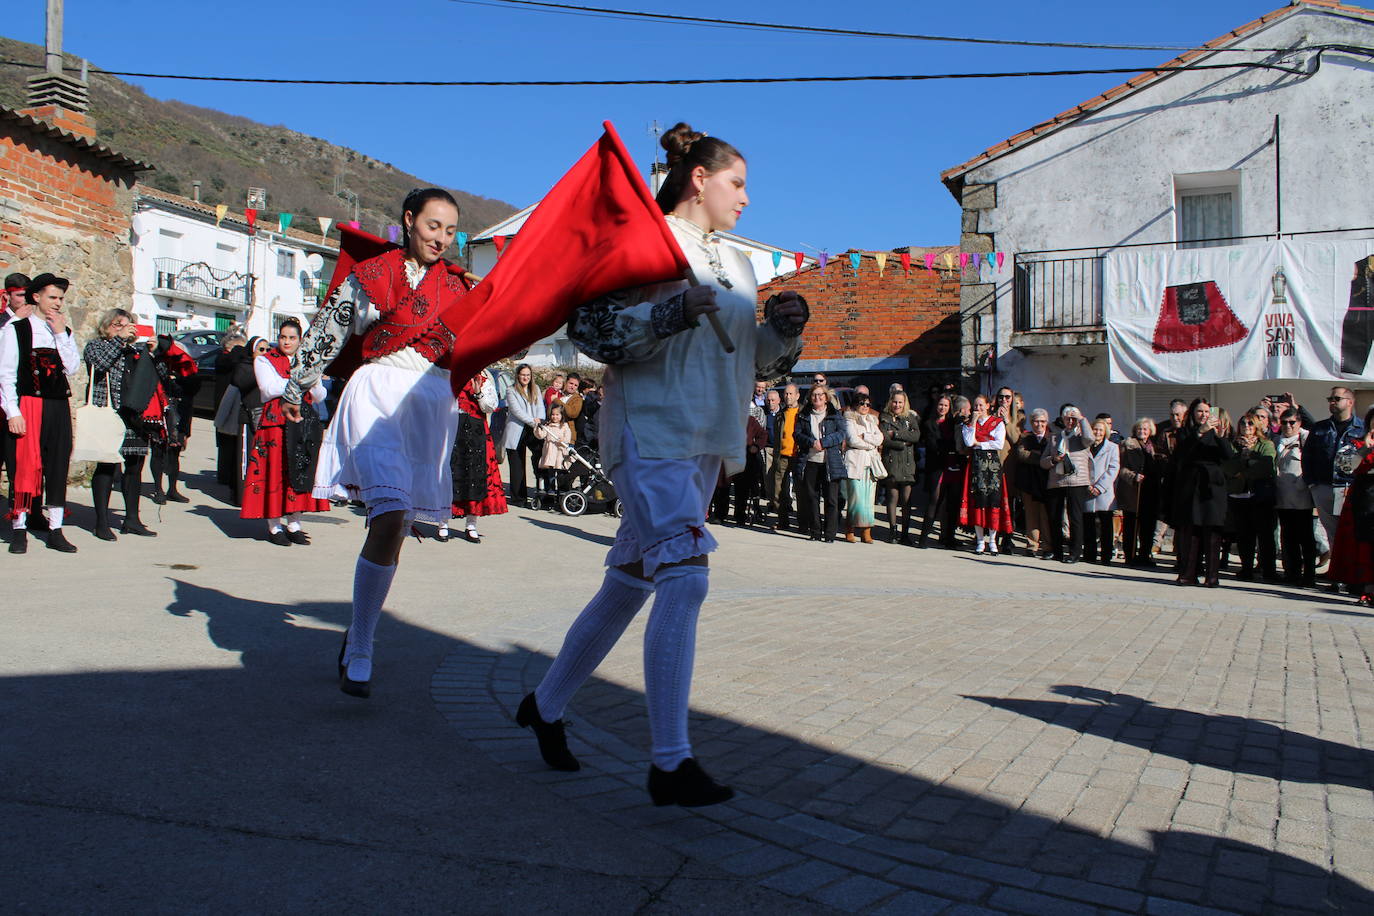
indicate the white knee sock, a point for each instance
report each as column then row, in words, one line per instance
column 370, row 585
column 669, row 649
column 54, row 514
column 470, row 522
column 293, row 522
column 977, row 534
column 21, row 522
column 273, row 525
column 589, row 639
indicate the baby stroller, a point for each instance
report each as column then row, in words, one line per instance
column 593, row 488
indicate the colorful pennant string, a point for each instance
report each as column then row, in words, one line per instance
column 283, row 222
column 251, row 216
column 220, row 211
column 393, row 232
column 881, row 258
column 799, row 258
column 825, row 259
column 325, row 223
column 906, row 262
column 777, row 259
column 854, row 259
column 461, row 239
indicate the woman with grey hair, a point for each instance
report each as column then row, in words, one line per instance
column 112, row 361
column 1032, row 482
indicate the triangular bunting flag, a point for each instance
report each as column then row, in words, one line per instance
column 930, row 261
column 906, row 262
column 220, row 211
column 251, row 216
column 991, row 259
column 963, row 260
column 461, row 240
column 881, row 258
column 283, row 222
column 825, row 259
column 325, row 223
column 799, row 258
column 1000, row 258
column 500, row 242
column 777, row 259
column 854, row 259
column 393, row 232
column 354, row 224
column 949, row 261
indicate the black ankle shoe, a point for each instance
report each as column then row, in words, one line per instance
column 104, row 533
column 553, row 743
column 137, row 528
column 174, row 496
column 298, row 537
column 360, row 689
column 159, row 498
column 19, row 541
column 279, row 538
column 58, row 541
column 688, row 786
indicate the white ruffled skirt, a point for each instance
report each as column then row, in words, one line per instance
column 390, row 441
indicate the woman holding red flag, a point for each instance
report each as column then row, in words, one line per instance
column 279, row 474
column 390, row 440
column 665, row 460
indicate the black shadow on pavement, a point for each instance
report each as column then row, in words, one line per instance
column 271, row 740
column 601, row 539
column 1234, row 743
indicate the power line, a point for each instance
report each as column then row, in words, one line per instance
column 729, row 80
column 604, row 12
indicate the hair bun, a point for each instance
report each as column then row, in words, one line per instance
column 677, row 142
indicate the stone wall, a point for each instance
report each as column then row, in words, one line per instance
column 66, row 210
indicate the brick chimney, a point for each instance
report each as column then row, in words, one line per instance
column 53, row 96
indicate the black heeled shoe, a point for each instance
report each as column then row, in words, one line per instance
column 688, row 786
column 553, row 743
column 137, row 528
column 104, row 533
column 176, row 496
column 360, row 689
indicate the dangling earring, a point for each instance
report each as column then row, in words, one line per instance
column 700, row 198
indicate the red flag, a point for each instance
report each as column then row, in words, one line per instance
column 500, row 242
column 798, row 257
column 597, row 230
column 906, row 262
column 252, row 216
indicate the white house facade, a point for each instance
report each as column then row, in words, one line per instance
column 1170, row 160
column 191, row 274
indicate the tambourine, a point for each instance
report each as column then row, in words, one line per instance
column 1348, row 458
column 785, row 326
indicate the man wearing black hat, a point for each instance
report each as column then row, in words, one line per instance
column 37, row 355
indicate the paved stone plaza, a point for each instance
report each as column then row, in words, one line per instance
column 911, row 731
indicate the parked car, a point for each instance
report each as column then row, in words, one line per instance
column 198, row 343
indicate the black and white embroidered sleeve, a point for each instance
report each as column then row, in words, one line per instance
column 104, row 357
column 621, row 328
column 336, row 320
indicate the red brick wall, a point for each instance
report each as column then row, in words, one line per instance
column 66, row 210
column 56, row 189
column 915, row 315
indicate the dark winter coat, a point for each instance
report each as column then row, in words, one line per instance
column 900, row 436
column 1199, row 483
column 834, row 433
column 1137, row 486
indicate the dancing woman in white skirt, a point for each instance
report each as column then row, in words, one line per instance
column 665, row 460
column 389, row 442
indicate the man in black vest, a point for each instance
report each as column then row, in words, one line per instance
column 37, row 355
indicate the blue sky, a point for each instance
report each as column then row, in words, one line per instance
column 831, row 165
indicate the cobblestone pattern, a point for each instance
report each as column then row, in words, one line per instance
column 930, row 750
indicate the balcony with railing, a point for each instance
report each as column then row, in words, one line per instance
column 312, row 292
column 197, row 281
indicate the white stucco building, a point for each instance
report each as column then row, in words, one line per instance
column 1167, row 159
column 190, row 274
column 557, row 349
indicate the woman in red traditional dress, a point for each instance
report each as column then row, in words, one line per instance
column 391, row 437
column 477, row 486
column 985, row 504
column 1352, row 554
column 280, row 470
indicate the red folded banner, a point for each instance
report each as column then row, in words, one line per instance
column 597, row 230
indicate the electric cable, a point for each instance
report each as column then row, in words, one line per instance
column 606, row 12
column 729, row 80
